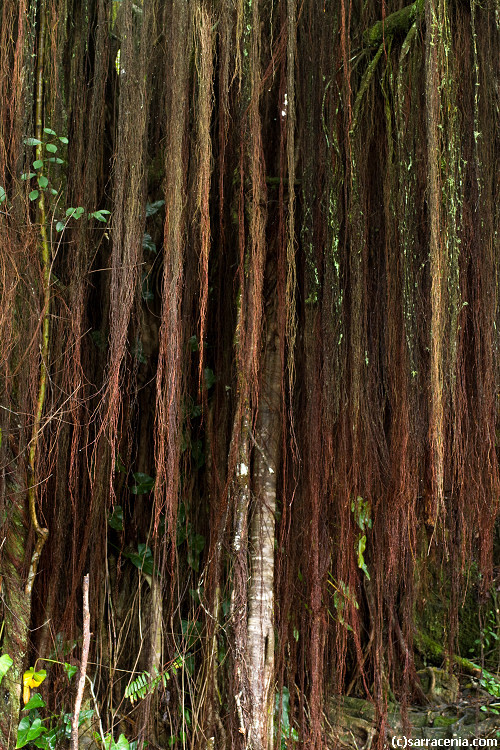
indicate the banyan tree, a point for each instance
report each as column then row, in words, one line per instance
column 249, row 259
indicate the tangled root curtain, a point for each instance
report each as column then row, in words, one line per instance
column 249, row 259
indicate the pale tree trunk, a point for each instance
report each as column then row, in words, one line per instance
column 260, row 629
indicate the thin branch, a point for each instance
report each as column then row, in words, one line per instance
column 83, row 667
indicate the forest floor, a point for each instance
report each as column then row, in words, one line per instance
column 454, row 710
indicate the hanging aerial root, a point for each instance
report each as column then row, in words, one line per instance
column 41, row 532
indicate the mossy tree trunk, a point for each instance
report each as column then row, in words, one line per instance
column 17, row 605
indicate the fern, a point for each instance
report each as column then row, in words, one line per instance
column 145, row 685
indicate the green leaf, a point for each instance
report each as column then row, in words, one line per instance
column 49, row 131
column 70, row 670
column 148, row 244
column 22, row 732
column 36, row 729
column 38, row 677
column 59, row 226
column 36, row 701
column 28, row 732
column 99, row 215
column 3, row 194
column 32, row 142
column 120, row 466
column 38, row 164
column 122, row 743
column 143, row 484
column 116, row 519
column 153, row 208
column 33, row 195
column 53, row 192
column 51, row 148
column 43, row 181
column 63, row 139
column 27, row 175
column 142, row 559
column 209, row 377
column 55, row 160
column 5, row 664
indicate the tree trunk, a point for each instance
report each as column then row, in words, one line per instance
column 260, row 640
column 16, row 611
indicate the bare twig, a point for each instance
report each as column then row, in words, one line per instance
column 83, row 667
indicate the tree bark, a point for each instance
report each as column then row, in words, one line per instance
column 260, row 639
column 16, row 611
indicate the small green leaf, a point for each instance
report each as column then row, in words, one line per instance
column 99, row 216
column 148, row 244
column 78, row 212
column 153, row 208
column 142, row 559
column 3, row 194
column 63, row 139
column 5, row 664
column 59, row 226
column 116, row 519
column 43, row 181
column 38, row 164
column 209, row 378
column 49, row 131
column 70, row 670
column 122, row 743
column 27, row 175
column 120, row 466
column 51, row 148
column 33, row 195
column 32, row 142
column 143, row 484
column 53, row 192
column 361, row 549
column 55, row 160
column 36, row 701
column 70, row 211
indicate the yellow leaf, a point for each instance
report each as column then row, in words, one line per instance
column 26, row 694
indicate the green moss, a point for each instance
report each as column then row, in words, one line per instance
column 444, row 721
column 394, row 25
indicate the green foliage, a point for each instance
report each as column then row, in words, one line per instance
column 362, row 513
column 147, row 243
column 115, row 520
column 283, row 731
column 142, row 559
column 145, row 684
column 342, row 597
column 32, row 730
column 491, row 684
column 51, row 144
column 121, row 743
column 153, row 208
column 185, row 533
column 99, row 215
column 143, row 484
column 70, row 670
column 488, row 639
column 5, row 664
